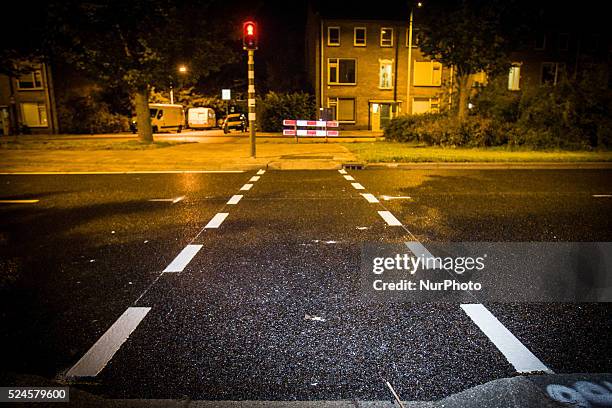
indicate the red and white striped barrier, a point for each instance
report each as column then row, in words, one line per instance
column 310, row 132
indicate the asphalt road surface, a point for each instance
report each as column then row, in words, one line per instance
column 258, row 297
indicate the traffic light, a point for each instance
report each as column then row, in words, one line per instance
column 249, row 35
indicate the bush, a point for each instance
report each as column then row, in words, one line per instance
column 274, row 107
column 83, row 114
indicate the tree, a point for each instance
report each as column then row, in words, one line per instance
column 138, row 44
column 468, row 35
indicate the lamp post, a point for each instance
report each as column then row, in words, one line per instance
column 408, row 104
column 182, row 70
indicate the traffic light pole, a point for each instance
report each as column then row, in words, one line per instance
column 252, row 114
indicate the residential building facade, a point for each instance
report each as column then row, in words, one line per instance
column 358, row 69
column 27, row 103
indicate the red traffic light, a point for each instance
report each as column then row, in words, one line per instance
column 249, row 35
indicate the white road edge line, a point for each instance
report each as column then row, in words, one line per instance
column 18, row 201
column 183, row 258
column 260, row 172
column 349, row 178
column 235, row 199
column 342, row 171
column 98, row 356
column 217, row 220
column 30, row 173
column 358, row 186
column 390, row 218
column 254, row 178
column 370, row 198
column 523, row 360
column 246, row 187
column 602, row 195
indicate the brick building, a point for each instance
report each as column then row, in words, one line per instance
column 358, row 69
column 27, row 102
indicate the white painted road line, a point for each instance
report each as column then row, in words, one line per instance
column 105, row 348
column 358, row 186
column 180, row 262
column 217, row 220
column 254, row 178
column 246, row 187
column 418, row 249
column 387, row 198
column 523, row 360
column 602, row 195
column 30, row 173
column 235, row 199
column 260, row 172
column 349, row 178
column 169, row 200
column 390, row 218
column 370, row 198
column 18, row 201
column 342, row 171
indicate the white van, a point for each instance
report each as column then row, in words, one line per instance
column 164, row 117
column 201, row 118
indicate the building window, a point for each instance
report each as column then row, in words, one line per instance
column 359, row 37
column 415, row 38
column 31, row 80
column 425, row 105
column 333, row 36
column 341, row 71
column 385, row 78
column 540, row 42
column 343, row 109
column 514, row 78
column 34, row 114
column 552, row 73
column 386, row 37
column 563, row 42
column 427, row 73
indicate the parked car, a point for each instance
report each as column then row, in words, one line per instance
column 201, row 118
column 235, row 121
column 164, row 116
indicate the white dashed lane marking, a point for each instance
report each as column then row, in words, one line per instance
column 105, row 348
column 390, row 218
column 358, row 186
column 523, row 360
column 260, row 172
column 602, row 195
column 217, row 220
column 182, row 259
column 254, row 178
column 370, row 198
column 169, row 200
column 246, row 187
column 342, row 171
column 235, row 199
column 349, row 178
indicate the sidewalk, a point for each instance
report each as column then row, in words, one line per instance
column 232, row 155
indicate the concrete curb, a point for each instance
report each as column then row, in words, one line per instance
column 491, row 166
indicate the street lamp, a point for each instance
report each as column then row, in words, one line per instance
column 183, row 70
column 408, row 104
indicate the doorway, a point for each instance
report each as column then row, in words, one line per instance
column 380, row 115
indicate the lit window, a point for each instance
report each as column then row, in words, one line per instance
column 359, row 37
column 31, row 80
column 34, row 114
column 333, row 36
column 341, row 71
column 342, row 108
column 514, row 78
column 385, row 80
column 427, row 73
column 386, row 37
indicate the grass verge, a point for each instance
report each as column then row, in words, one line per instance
column 394, row 152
